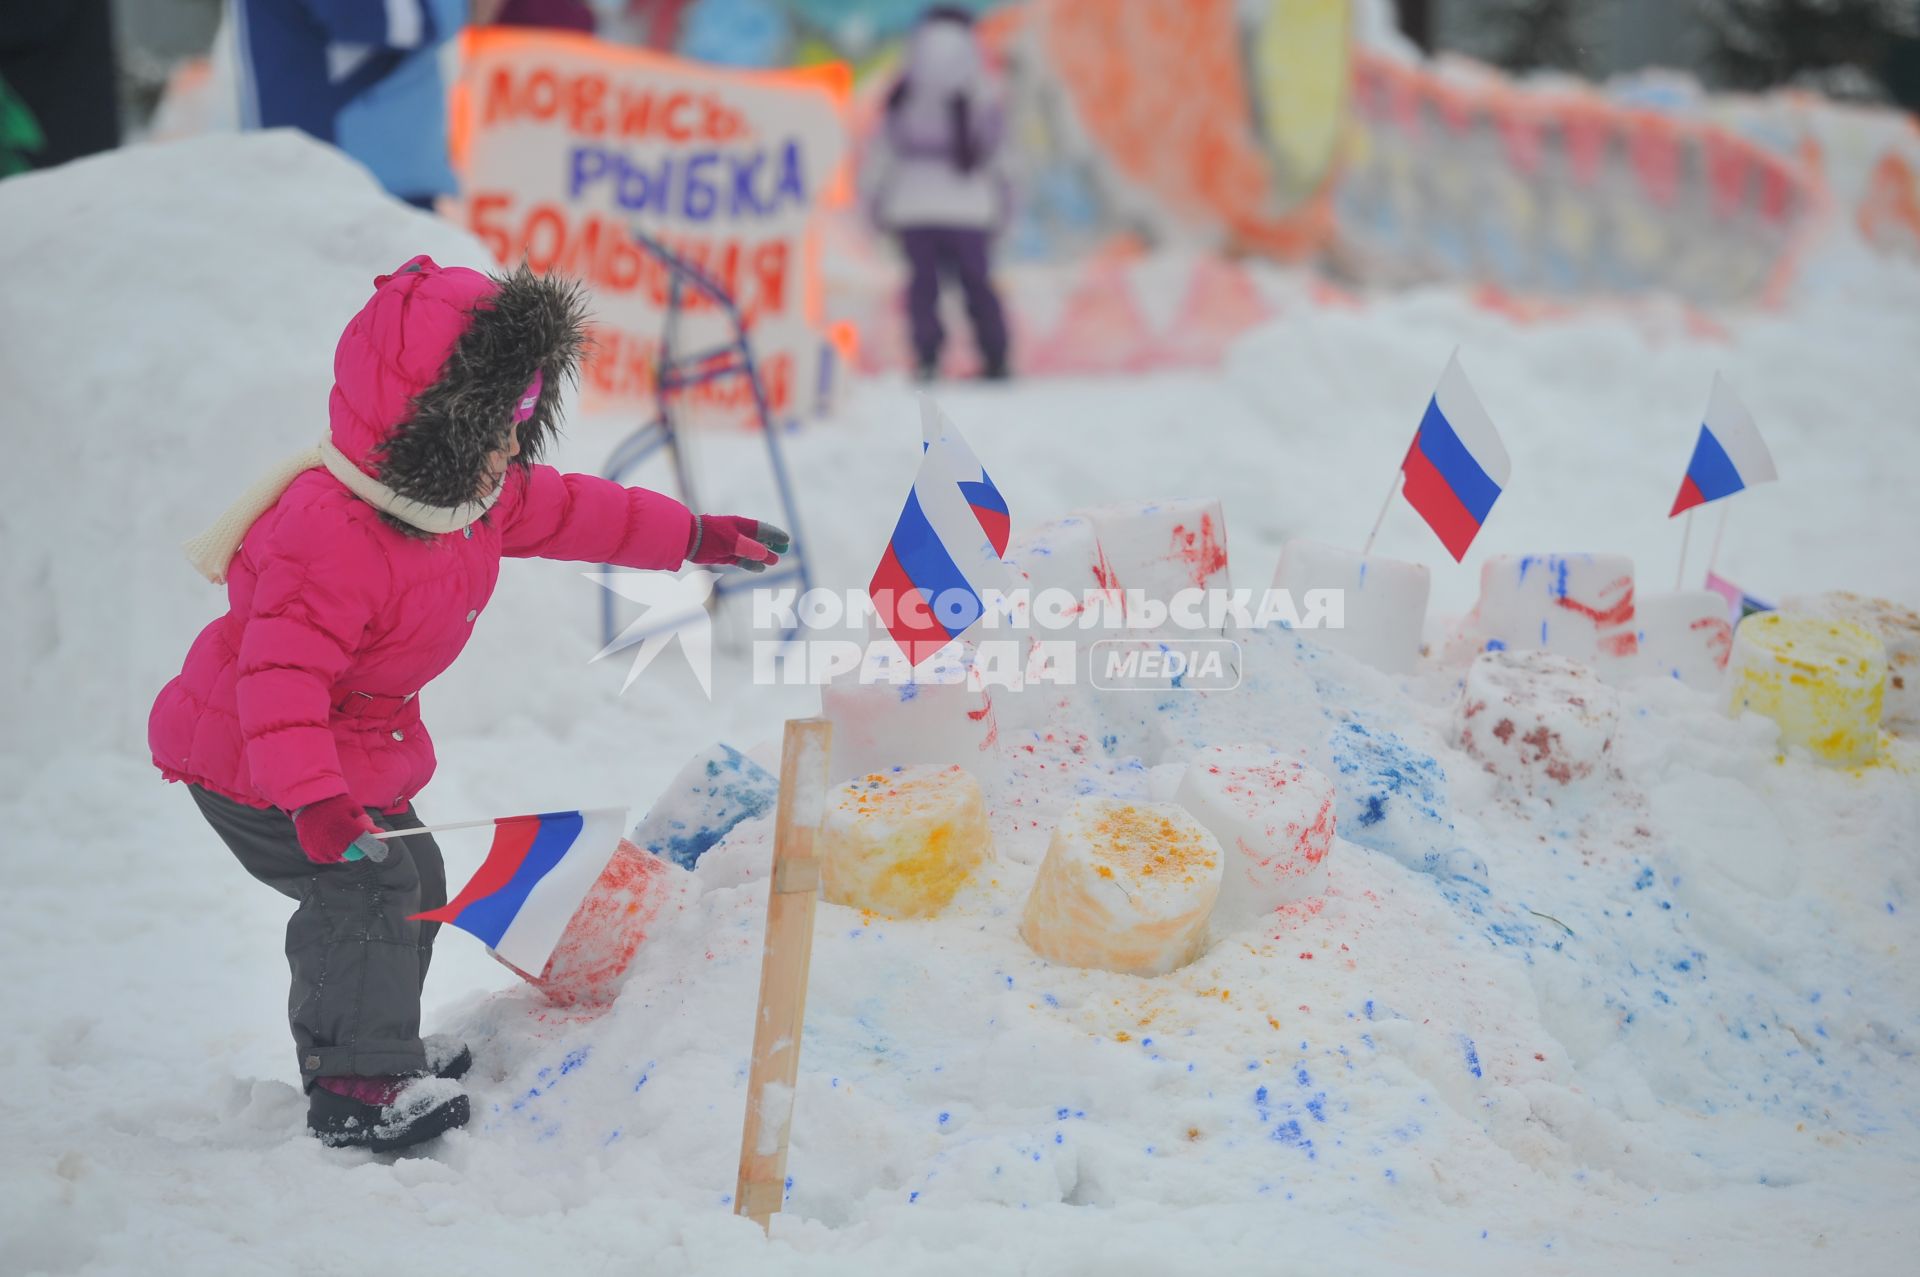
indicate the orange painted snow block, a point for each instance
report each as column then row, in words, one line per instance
column 1126, row 887
column 635, row 895
column 902, row 841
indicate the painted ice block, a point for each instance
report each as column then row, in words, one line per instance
column 1538, row 720
column 1125, row 886
column 1823, row 681
column 1575, row 605
column 901, row 841
column 1274, row 819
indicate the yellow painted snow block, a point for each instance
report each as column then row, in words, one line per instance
column 900, row 842
column 1125, row 887
column 1822, row 680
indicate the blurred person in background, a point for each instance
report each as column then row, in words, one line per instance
column 58, row 96
column 363, row 75
column 933, row 183
column 561, row 15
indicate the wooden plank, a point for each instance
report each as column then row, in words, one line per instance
column 779, row 1016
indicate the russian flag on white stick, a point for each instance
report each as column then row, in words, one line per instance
column 536, row 874
column 988, row 506
column 1728, row 457
column 1457, row 465
column 945, row 551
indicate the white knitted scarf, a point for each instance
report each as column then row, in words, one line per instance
column 213, row 550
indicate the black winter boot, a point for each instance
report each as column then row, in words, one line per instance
column 383, row 1113
column 447, row 1056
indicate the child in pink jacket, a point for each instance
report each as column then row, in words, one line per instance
column 354, row 576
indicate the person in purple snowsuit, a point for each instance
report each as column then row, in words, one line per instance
column 934, row 183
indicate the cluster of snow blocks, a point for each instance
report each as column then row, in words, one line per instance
column 1236, row 827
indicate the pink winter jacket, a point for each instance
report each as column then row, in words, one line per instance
column 308, row 686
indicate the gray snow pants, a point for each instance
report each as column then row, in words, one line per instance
column 357, row 962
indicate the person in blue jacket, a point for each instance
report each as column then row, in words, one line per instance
column 363, row 75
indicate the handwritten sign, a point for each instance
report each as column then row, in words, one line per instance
column 565, row 143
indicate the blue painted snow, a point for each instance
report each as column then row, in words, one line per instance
column 716, row 791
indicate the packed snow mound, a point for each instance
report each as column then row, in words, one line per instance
column 169, row 315
column 1663, row 1016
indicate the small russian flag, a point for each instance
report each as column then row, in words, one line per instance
column 1728, row 457
column 536, row 874
column 1456, row 465
column 989, row 507
column 946, row 546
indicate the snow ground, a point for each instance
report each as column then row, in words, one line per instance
column 1676, row 1030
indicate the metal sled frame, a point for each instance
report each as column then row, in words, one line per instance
column 675, row 373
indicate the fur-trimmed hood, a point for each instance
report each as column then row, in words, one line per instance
column 428, row 374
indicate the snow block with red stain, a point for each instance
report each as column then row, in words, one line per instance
column 1540, row 721
column 888, row 714
column 1274, row 819
column 1384, row 602
column 635, row 896
column 1684, row 634
column 1579, row 606
column 1059, row 565
column 1159, row 549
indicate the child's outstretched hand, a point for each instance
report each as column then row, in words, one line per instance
column 328, row 829
column 729, row 538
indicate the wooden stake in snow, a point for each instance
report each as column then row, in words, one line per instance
column 783, row 970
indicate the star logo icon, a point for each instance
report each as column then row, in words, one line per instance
column 675, row 607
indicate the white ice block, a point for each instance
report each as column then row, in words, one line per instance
column 887, row 714
column 1575, row 605
column 1125, row 886
column 1540, row 721
column 1160, row 548
column 901, row 841
column 1899, row 630
column 1061, row 554
column 1384, row 608
column 1684, row 634
column 1274, row 820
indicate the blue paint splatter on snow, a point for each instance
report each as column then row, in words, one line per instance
column 713, row 793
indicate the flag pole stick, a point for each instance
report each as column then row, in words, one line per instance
column 1393, row 490
column 1686, row 534
column 783, row 971
column 1713, row 555
column 447, row 829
